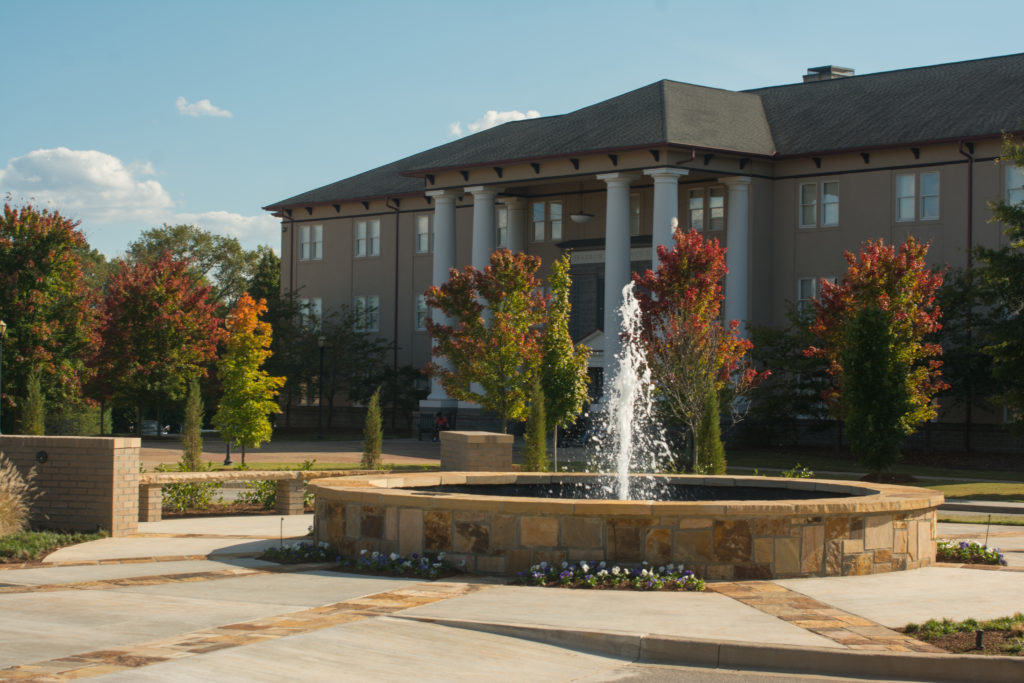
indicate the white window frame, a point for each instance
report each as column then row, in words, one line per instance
column 311, row 242
column 424, row 240
column 801, row 221
column 367, row 234
column 501, row 227
column 825, row 204
column 421, row 313
column 367, row 313
column 900, row 218
column 555, row 224
column 542, row 223
column 635, row 209
column 699, row 195
column 311, row 312
column 815, row 288
column 922, row 196
column 715, row 192
column 1014, row 184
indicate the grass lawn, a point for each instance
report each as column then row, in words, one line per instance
column 1000, row 491
column 318, row 466
column 1004, row 520
column 1003, row 636
column 29, row 546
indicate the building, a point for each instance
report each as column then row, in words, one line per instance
column 787, row 177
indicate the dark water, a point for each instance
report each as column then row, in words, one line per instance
column 640, row 489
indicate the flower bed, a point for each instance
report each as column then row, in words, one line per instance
column 967, row 553
column 1003, row 636
column 415, row 566
column 586, row 575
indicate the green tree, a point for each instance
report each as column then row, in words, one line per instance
column 875, row 392
column 373, row 434
column 563, row 373
column 191, row 437
column 215, row 260
column 401, row 393
column 353, row 360
column 33, row 412
column 48, row 305
column 708, row 439
column 1000, row 271
column 249, row 391
column 491, row 337
column 535, row 452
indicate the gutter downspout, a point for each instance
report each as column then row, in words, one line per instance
column 394, row 345
column 969, row 404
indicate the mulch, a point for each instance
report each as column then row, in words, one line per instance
column 993, row 643
column 222, row 510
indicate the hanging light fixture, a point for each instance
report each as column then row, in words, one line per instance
column 581, row 216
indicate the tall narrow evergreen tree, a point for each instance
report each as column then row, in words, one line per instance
column 191, row 438
column 373, row 434
column 33, row 412
column 535, row 452
column 709, row 451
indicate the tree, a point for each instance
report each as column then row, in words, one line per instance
column 373, row 434
column 33, row 414
column 1000, row 271
column 249, row 391
column 353, row 360
column 875, row 393
column 192, row 437
column 400, row 394
column 47, row 303
column 708, row 439
column 535, row 452
column 492, row 343
column 899, row 283
column 159, row 330
column 214, row 260
column 563, row 374
column 690, row 352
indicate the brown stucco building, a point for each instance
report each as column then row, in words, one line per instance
column 787, row 177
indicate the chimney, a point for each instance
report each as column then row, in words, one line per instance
column 826, row 73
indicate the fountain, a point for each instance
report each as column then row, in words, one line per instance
column 722, row 527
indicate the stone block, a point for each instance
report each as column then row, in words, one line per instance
column 899, row 544
column 489, row 564
column 853, row 546
column 538, row 532
column 151, row 503
column 658, row 546
column 371, row 522
column 352, row 515
column 504, row 532
column 626, row 538
column 720, row 572
column 291, row 495
column 695, row 523
column 752, row 572
column 472, row 532
column 582, row 532
column 837, row 527
column 771, row 526
column 878, row 532
column 833, row 558
column 690, row 547
column 787, row 555
column 437, row 530
column 732, row 540
column 391, row 523
column 812, row 549
column 857, row 565
column 476, row 451
column 763, row 550
column 519, row 560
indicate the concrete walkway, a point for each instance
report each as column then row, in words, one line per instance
column 208, row 613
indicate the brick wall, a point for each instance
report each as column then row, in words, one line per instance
column 87, row 483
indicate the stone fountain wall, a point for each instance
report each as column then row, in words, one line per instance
column 749, row 540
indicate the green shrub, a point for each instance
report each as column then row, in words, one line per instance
column 33, row 411
column 709, row 453
column 25, row 546
column 191, row 437
column 260, row 492
column 535, row 452
column 191, row 496
column 373, row 434
column 798, row 472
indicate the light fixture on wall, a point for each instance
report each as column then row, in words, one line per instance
column 581, row 216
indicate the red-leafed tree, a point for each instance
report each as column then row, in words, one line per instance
column 898, row 284
column 492, row 336
column 46, row 302
column 159, row 330
column 692, row 355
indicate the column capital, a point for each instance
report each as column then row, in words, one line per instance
column 616, row 179
column 443, row 194
column 483, row 190
column 666, row 173
column 736, row 181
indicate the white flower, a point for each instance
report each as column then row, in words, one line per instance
column 603, row 572
column 669, row 566
column 375, row 554
column 440, row 555
column 585, row 567
column 393, row 556
column 615, row 571
column 565, row 564
column 643, row 572
column 601, row 564
column 363, row 551
column 543, row 564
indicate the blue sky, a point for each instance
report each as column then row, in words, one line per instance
column 300, row 94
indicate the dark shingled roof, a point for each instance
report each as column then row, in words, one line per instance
column 948, row 101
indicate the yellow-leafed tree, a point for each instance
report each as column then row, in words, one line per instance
column 243, row 416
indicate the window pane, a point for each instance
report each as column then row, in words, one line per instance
column 806, row 288
column 555, row 209
column 538, row 211
column 808, row 205
column 929, row 207
column 716, row 204
column 807, row 194
column 538, row 222
column 422, row 234
column 905, row 209
column 929, row 183
column 904, row 186
column 807, row 215
column 830, row 214
column 696, row 209
column 830, row 192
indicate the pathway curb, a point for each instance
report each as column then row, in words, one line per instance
column 672, row 650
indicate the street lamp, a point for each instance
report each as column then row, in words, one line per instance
column 3, row 333
column 321, row 342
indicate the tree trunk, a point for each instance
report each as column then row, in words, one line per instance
column 101, row 418
column 138, row 421
column 243, row 453
column 554, row 451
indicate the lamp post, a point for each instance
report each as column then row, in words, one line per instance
column 3, row 333
column 321, row 342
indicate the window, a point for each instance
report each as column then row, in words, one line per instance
column 421, row 312
column 555, row 213
column 830, row 203
column 501, row 228
column 905, row 197
column 367, row 238
column 808, row 288
column 808, row 205
column 1014, row 184
column 929, row 196
column 538, row 221
column 367, row 312
column 422, row 234
column 696, row 210
column 716, row 208
column 311, row 242
column 634, row 214
column 311, row 312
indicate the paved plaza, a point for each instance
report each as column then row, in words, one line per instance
column 186, row 599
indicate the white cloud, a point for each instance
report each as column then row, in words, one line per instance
column 86, row 184
column 200, row 108
column 492, row 118
column 250, row 230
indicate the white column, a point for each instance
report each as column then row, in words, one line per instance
column 516, row 222
column 666, row 207
column 444, row 261
column 616, row 264
column 483, row 223
column 737, row 255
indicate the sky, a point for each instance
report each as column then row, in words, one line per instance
column 126, row 115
